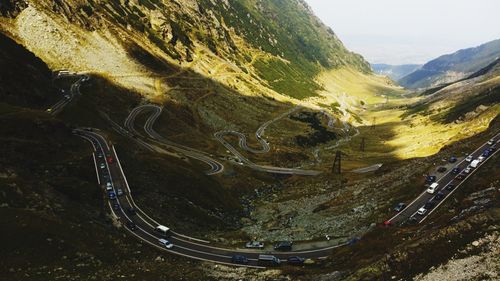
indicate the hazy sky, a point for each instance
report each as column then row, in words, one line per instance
column 410, row 31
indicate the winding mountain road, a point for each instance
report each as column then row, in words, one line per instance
column 113, row 173
column 265, row 148
column 68, row 98
column 216, row 167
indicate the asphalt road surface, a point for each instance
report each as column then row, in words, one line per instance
column 68, row 98
column 124, row 209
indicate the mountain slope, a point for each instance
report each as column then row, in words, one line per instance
column 470, row 98
column 452, row 67
column 278, row 45
column 395, row 72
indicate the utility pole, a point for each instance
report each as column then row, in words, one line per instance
column 362, row 145
column 336, row 168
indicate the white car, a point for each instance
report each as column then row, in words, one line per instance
column 103, row 166
column 480, row 159
column 254, row 245
column 432, row 188
column 491, row 142
column 468, row 170
column 422, row 211
column 469, row 158
column 166, row 243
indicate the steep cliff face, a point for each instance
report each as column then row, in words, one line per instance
column 279, row 45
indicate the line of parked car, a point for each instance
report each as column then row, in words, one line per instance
column 434, row 186
column 460, row 175
column 268, row 259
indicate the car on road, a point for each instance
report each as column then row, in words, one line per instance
column 439, row 195
column 119, row 192
column 467, row 170
column 430, row 179
column 99, row 155
column 166, row 243
column 67, row 97
column 111, row 195
column 422, row 211
column 450, row 187
column 102, row 166
column 268, row 260
column 481, row 158
column 399, row 207
column 162, row 230
column 110, row 159
column 116, row 206
column 469, row 158
column 131, row 225
column 460, row 177
column 432, row 188
column 452, row 159
column 239, row 259
column 295, row 260
column 486, row 153
column 441, row 169
column 455, row 170
column 412, row 220
column 131, row 211
column 429, row 205
column 283, row 246
column 254, row 245
column 493, row 148
column 474, row 164
column 491, row 142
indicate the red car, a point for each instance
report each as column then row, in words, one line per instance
column 460, row 177
column 110, row 159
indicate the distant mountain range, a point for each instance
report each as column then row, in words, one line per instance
column 452, row 67
column 395, row 72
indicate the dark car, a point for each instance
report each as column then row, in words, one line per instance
column 456, row 170
column 439, row 195
column 295, row 260
column 430, row 179
column 493, row 148
column 131, row 211
column 112, row 195
column 486, row 153
column 450, row 187
column 131, row 225
column 116, row 206
column 239, row 259
column 399, row 207
column 283, row 246
column 412, row 220
column 429, row 205
column 110, row 159
column 452, row 159
column 460, row 177
column 441, row 169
